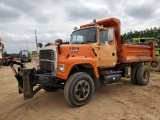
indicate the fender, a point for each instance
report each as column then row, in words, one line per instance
column 70, row 62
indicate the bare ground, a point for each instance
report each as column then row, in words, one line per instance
column 123, row 101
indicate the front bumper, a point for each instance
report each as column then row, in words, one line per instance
column 46, row 80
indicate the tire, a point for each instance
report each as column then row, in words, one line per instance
column 1, row 62
column 154, row 66
column 49, row 88
column 79, row 89
column 29, row 60
column 7, row 62
column 143, row 75
column 133, row 74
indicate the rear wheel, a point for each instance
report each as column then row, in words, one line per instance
column 79, row 89
column 143, row 75
column 133, row 74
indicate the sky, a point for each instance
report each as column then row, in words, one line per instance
column 54, row 19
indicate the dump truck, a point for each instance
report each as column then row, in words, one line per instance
column 96, row 56
column 154, row 65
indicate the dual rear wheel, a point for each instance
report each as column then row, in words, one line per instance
column 140, row 74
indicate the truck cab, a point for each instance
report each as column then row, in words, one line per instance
column 103, row 43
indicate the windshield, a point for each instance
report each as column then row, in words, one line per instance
column 84, row 36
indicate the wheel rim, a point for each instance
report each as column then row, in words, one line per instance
column 154, row 64
column 145, row 75
column 82, row 90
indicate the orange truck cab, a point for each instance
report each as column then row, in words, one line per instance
column 96, row 56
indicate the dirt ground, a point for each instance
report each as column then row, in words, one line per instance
column 123, row 101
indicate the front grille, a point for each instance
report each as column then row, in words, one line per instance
column 47, row 60
column 47, row 54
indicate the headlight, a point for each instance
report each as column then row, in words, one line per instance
column 37, row 63
column 61, row 67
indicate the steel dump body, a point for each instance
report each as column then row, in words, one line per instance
column 136, row 53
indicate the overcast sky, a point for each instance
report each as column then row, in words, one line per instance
column 55, row 19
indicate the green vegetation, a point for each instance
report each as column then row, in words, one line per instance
column 148, row 33
column 48, row 44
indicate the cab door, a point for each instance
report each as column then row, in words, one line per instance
column 107, row 48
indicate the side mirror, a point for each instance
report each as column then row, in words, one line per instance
column 110, row 34
column 58, row 42
column 75, row 28
column 39, row 45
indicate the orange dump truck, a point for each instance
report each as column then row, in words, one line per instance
column 96, row 56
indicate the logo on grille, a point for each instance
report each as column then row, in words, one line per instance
column 74, row 49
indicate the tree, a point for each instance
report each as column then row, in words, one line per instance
column 48, row 44
column 67, row 42
column 152, row 32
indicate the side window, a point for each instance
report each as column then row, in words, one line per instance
column 103, row 36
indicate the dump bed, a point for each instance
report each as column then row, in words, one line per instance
column 136, row 53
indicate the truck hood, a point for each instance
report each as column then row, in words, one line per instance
column 73, row 50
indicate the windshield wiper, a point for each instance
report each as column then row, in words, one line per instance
column 88, row 41
column 75, row 42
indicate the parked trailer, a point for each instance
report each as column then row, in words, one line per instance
column 95, row 57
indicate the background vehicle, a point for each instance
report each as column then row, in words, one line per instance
column 154, row 65
column 95, row 57
column 4, row 60
column 1, row 54
column 24, row 55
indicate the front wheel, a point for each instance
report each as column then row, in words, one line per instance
column 79, row 89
